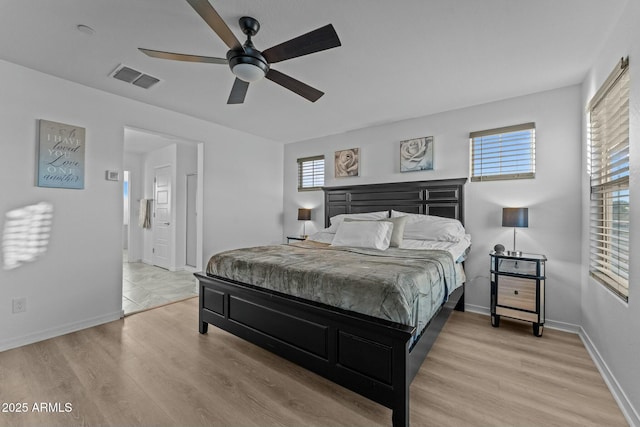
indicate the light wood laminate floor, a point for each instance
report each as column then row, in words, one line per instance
column 154, row 368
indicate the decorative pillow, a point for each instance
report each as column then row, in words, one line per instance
column 430, row 227
column 398, row 228
column 364, row 234
column 337, row 220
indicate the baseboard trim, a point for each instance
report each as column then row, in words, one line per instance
column 618, row 393
column 562, row 326
column 551, row 324
column 477, row 309
column 59, row 330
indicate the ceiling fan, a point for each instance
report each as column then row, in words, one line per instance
column 249, row 64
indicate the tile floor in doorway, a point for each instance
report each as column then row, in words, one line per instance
column 145, row 286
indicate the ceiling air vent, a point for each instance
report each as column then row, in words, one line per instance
column 135, row 77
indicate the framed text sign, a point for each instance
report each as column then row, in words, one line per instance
column 60, row 155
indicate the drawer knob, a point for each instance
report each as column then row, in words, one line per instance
column 515, row 292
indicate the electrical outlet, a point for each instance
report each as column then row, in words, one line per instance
column 19, row 305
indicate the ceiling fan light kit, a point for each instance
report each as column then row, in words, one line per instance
column 247, row 63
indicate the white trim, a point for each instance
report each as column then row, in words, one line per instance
column 477, row 309
column 59, row 330
column 618, row 393
column 562, row 326
column 551, row 324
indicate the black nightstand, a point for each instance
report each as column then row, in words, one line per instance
column 517, row 288
column 298, row 238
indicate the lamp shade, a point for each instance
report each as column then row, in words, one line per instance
column 304, row 214
column 515, row 217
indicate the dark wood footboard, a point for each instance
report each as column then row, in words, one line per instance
column 364, row 354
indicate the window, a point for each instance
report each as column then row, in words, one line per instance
column 609, row 170
column 503, row 153
column 310, row 173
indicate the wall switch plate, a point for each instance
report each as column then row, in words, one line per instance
column 19, row 305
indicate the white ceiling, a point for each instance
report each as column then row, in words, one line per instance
column 398, row 59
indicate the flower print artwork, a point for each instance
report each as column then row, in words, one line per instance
column 347, row 163
column 416, row 154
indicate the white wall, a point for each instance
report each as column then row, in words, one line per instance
column 611, row 327
column 553, row 197
column 78, row 282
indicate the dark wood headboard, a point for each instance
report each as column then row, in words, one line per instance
column 443, row 197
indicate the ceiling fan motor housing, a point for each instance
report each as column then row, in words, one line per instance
column 248, row 64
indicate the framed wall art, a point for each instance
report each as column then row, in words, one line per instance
column 416, row 154
column 347, row 162
column 60, row 155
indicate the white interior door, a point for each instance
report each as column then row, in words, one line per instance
column 162, row 226
column 192, row 186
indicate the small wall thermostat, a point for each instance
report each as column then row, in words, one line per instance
column 112, row 176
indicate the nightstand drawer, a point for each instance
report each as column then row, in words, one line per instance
column 517, row 266
column 517, row 292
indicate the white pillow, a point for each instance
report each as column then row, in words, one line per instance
column 364, row 234
column 429, row 227
column 337, row 220
column 398, row 228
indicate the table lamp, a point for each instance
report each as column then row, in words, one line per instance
column 516, row 218
column 304, row 215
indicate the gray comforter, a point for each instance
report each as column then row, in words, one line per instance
column 400, row 285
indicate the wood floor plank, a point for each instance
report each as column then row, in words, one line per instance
column 154, row 368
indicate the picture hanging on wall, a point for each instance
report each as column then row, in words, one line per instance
column 416, row 154
column 347, row 163
column 60, row 155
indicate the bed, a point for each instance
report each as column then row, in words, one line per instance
column 375, row 356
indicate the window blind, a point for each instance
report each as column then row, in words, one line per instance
column 609, row 170
column 310, row 173
column 503, row 153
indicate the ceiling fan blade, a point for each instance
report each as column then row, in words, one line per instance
column 238, row 92
column 315, row 41
column 296, row 86
column 182, row 56
column 211, row 17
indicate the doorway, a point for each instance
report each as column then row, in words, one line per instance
column 173, row 240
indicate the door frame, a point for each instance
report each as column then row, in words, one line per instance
column 188, row 266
